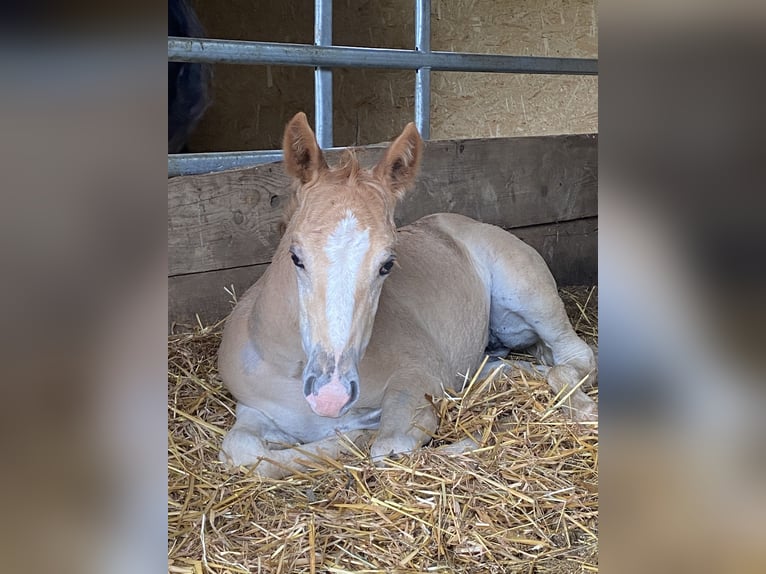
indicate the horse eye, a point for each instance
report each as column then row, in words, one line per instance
column 386, row 268
column 297, row 261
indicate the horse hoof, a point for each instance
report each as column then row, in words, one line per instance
column 460, row 447
column 227, row 460
column 392, row 447
column 584, row 410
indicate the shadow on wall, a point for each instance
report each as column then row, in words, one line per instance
column 188, row 83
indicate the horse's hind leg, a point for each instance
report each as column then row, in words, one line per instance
column 573, row 366
column 526, row 310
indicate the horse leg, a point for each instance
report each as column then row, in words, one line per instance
column 573, row 364
column 505, row 365
column 244, row 446
column 278, row 463
column 407, row 419
column 526, row 309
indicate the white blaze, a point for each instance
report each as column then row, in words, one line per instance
column 346, row 248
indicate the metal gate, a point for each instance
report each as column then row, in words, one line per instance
column 323, row 56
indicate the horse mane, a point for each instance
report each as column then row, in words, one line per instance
column 289, row 208
column 348, row 170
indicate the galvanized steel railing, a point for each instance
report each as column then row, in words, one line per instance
column 323, row 56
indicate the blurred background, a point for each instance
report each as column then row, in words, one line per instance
column 681, row 274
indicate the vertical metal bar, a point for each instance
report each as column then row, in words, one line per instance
column 323, row 76
column 423, row 75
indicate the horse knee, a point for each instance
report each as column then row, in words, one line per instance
column 241, row 448
column 399, row 435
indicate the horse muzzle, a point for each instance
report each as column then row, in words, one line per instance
column 331, row 386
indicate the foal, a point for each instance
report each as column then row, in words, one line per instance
column 355, row 322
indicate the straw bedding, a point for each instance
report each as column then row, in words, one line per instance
column 525, row 501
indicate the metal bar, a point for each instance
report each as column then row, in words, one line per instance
column 323, row 75
column 209, row 162
column 196, row 163
column 423, row 75
column 260, row 53
column 423, row 102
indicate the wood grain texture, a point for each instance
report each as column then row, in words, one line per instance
column 231, row 219
column 569, row 248
column 204, row 294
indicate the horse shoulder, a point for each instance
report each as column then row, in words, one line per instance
column 435, row 307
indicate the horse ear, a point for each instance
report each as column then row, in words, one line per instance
column 399, row 166
column 303, row 158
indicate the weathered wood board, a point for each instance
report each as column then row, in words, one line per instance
column 231, row 219
column 223, row 227
column 569, row 248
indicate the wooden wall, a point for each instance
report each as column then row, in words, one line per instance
column 223, row 227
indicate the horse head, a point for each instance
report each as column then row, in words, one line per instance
column 342, row 242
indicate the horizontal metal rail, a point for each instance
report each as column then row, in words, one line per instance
column 267, row 53
column 196, row 163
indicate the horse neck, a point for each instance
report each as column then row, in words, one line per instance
column 276, row 309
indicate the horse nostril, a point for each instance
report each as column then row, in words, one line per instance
column 308, row 385
column 354, row 390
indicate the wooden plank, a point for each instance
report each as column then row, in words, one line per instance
column 231, row 219
column 569, row 248
column 204, row 294
column 510, row 182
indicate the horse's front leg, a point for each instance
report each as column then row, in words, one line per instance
column 244, row 446
column 407, row 419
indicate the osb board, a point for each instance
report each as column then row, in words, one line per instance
column 252, row 103
column 570, row 249
column 494, row 105
column 231, row 219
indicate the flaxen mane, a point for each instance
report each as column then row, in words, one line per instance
column 347, row 171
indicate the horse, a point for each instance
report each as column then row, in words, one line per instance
column 188, row 83
column 356, row 323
